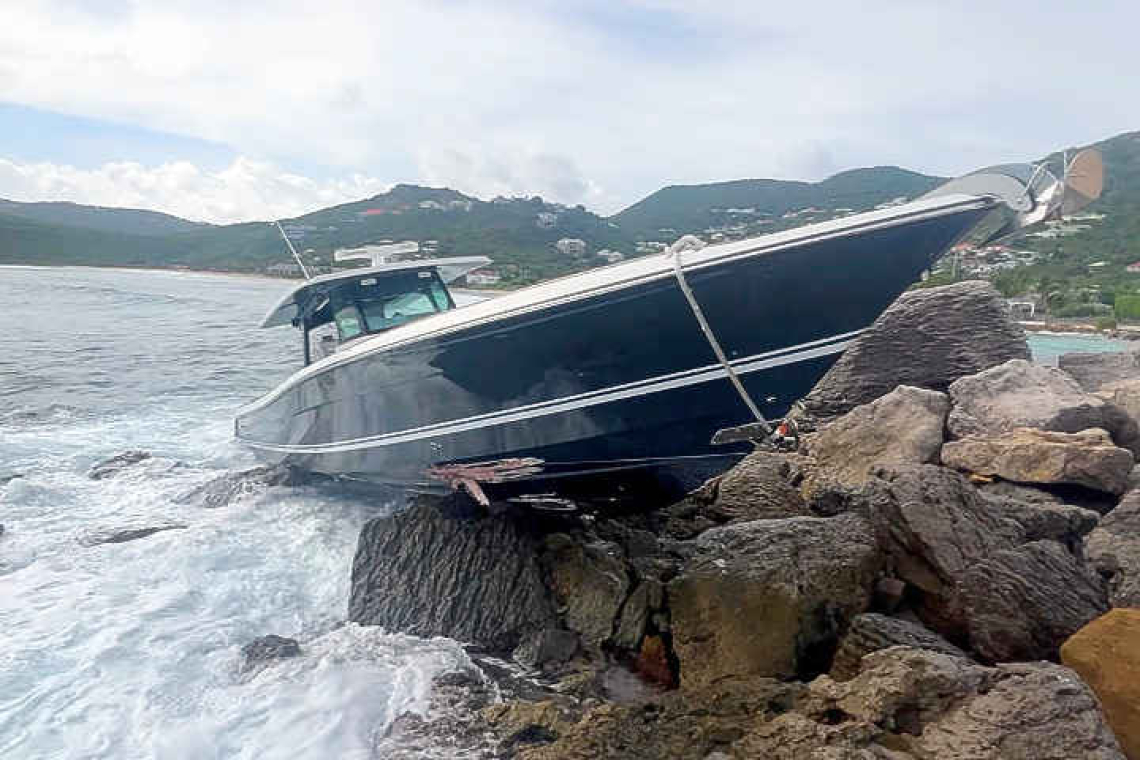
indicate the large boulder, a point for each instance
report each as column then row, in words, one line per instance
column 1026, row 455
column 934, row 526
column 1106, row 654
column 1113, row 548
column 770, row 597
column 1095, row 370
column 428, row 572
column 1023, row 603
column 590, row 584
column 765, row 484
column 1041, row 519
column 231, row 486
column 1024, row 394
column 115, row 465
column 927, row 338
column 906, row 426
column 871, row 632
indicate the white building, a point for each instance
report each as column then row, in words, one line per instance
column 483, row 277
column 571, row 246
column 611, row 257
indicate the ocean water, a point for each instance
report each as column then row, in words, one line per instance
column 1047, row 347
column 132, row 650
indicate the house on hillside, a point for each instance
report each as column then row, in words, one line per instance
column 483, row 276
column 571, row 246
column 1133, row 267
column 610, row 257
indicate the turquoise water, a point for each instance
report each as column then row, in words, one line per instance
column 1046, row 347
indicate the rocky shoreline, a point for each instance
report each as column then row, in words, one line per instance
column 933, row 574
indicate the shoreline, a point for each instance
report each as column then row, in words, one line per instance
column 171, row 270
column 1121, row 332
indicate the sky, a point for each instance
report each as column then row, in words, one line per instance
column 230, row 110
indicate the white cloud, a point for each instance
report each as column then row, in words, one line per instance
column 594, row 101
column 244, row 190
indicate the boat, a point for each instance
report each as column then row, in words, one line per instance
column 616, row 379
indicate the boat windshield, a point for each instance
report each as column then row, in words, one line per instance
column 378, row 303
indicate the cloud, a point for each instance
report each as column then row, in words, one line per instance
column 594, row 101
column 244, row 190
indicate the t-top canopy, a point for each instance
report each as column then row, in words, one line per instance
column 287, row 309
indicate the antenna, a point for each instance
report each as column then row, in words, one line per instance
column 296, row 255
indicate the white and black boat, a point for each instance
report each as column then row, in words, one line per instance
column 618, row 374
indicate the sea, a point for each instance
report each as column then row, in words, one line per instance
column 133, row 650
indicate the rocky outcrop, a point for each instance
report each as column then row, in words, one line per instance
column 590, row 584
column 265, row 648
column 928, row 338
column 906, row 426
column 114, row 466
column 1043, row 520
column 1025, row 455
column 770, row 597
column 934, row 526
column 1106, row 654
column 1113, row 548
column 1094, row 371
column 871, row 632
column 1023, row 603
column 122, row 535
column 430, row 573
column 230, row 487
column 1020, row 394
column 764, row 485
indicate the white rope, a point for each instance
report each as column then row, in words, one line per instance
column 691, row 242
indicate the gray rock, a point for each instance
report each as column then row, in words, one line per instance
column 1041, row 520
column 550, row 646
column 590, row 583
column 109, row 468
column 1094, row 371
column 265, row 648
column 1021, row 394
column 769, row 597
column 1023, row 603
column 927, row 338
column 232, row 486
column 428, row 573
column 122, row 535
column 1113, row 548
column 1026, row 455
column 934, row 526
column 8, row 478
column 906, row 426
column 765, row 484
column 871, row 632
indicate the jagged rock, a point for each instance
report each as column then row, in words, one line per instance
column 1021, row 394
column 590, row 584
column 1094, row 371
column 234, row 485
column 109, row 468
column 765, row 484
column 653, row 661
column 550, row 646
column 266, row 648
column 1023, row 603
column 1113, row 548
column 934, row 526
column 927, row 338
column 769, row 597
column 1027, row 455
column 1041, row 519
column 122, row 535
column 871, row 632
column 1003, row 489
column 430, row 573
column 451, row 728
column 906, row 426
column 929, row 705
column 1106, row 654
column 6, row 479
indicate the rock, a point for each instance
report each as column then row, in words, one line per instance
column 1026, row 455
column 928, row 339
column 1023, row 603
column 265, row 648
column 8, row 478
column 234, row 485
column 589, row 582
column 550, row 646
column 452, row 726
column 933, row 705
column 1041, row 520
column 1113, row 548
column 906, row 426
column 765, row 484
column 934, row 526
column 1094, row 371
column 770, row 597
column 109, row 468
column 871, row 632
column 653, row 662
column 122, row 535
column 430, row 573
column 1021, row 394
column 1106, row 654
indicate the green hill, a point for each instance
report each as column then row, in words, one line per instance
column 123, row 220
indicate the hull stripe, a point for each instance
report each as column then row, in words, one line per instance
column 789, row 355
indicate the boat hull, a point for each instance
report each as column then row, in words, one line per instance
column 606, row 386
